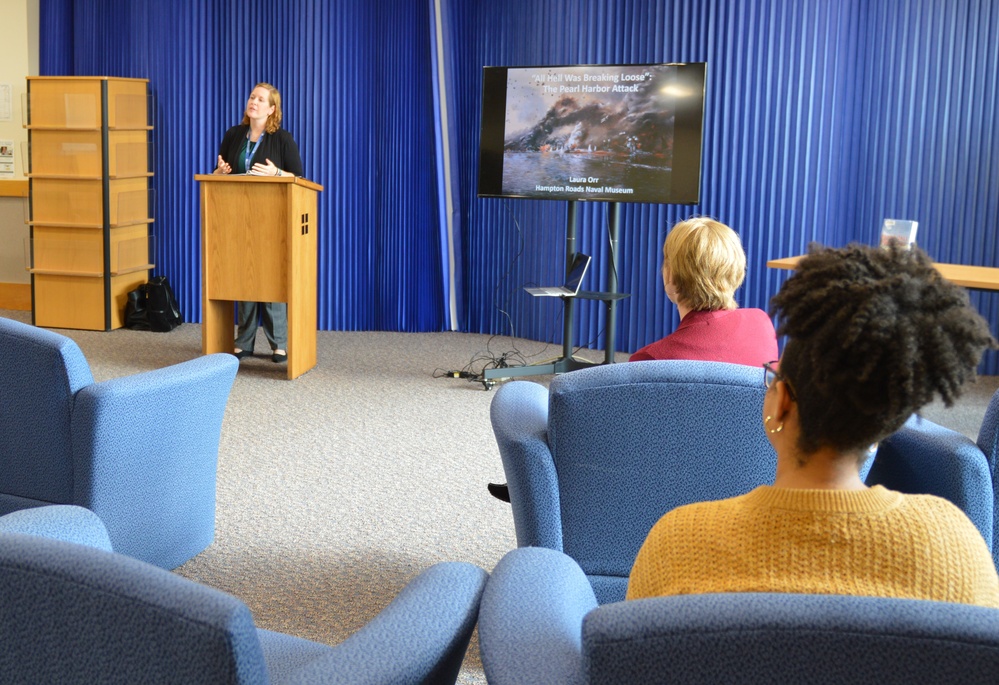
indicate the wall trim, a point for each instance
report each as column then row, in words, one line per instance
column 13, row 188
column 15, row 296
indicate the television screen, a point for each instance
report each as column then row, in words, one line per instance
column 619, row 133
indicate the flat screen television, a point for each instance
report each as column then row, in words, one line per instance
column 618, row 133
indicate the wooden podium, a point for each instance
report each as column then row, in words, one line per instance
column 258, row 244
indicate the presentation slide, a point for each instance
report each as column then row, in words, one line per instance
column 583, row 131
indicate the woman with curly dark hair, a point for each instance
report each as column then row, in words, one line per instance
column 873, row 334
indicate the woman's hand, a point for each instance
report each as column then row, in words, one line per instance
column 266, row 169
column 223, row 167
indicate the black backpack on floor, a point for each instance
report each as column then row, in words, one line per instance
column 153, row 307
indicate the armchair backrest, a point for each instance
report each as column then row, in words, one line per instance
column 40, row 374
column 924, row 458
column 774, row 638
column 73, row 614
column 988, row 442
column 633, row 441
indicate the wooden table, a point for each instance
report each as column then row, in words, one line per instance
column 979, row 277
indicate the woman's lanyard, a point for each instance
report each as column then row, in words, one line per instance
column 251, row 150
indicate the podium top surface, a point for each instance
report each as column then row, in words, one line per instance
column 244, row 178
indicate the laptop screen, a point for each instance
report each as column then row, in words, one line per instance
column 576, row 272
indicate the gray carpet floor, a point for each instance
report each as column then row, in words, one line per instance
column 337, row 488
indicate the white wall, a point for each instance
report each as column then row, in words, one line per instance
column 18, row 59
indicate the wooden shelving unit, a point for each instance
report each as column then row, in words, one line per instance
column 89, row 203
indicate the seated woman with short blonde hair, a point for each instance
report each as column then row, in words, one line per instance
column 873, row 335
column 703, row 265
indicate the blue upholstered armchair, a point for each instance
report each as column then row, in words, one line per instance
column 539, row 623
column 924, row 458
column 141, row 451
column 595, row 460
column 72, row 614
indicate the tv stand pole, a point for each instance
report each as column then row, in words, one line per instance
column 566, row 362
column 612, row 295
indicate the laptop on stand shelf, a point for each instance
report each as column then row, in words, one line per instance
column 573, row 280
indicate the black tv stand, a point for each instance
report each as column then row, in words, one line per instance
column 566, row 362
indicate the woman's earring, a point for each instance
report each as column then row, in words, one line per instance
column 778, row 429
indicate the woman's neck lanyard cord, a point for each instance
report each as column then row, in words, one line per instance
column 251, row 150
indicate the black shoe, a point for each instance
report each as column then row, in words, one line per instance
column 278, row 357
column 500, row 491
column 243, row 353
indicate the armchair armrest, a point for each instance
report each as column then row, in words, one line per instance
column 519, row 415
column 145, row 450
column 988, row 443
column 59, row 522
column 420, row 637
column 531, row 618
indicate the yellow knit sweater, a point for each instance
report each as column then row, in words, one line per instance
column 874, row 542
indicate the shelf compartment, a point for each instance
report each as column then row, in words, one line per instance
column 75, row 102
column 79, row 155
column 79, row 202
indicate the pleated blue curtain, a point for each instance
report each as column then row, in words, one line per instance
column 822, row 118
column 779, row 81
column 359, row 106
column 55, row 28
column 930, row 140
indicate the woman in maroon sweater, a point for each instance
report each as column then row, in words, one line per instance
column 703, row 266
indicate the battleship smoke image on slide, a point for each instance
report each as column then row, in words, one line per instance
column 580, row 130
column 612, row 133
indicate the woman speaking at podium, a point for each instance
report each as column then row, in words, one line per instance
column 258, row 146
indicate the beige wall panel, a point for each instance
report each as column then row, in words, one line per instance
column 13, row 233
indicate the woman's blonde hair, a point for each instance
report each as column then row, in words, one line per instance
column 706, row 263
column 274, row 120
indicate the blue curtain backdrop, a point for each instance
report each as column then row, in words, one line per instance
column 822, row 118
column 358, row 105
